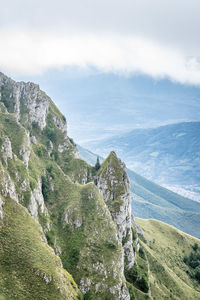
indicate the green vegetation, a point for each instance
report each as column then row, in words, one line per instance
column 26, row 261
column 77, row 224
column 193, row 261
column 97, row 165
column 111, row 168
column 137, row 276
column 166, row 248
column 6, row 96
column 153, row 201
column 14, row 131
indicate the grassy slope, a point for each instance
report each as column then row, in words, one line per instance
column 165, row 250
column 94, row 242
column 23, row 255
column 153, row 201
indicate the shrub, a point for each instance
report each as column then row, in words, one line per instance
column 97, row 165
column 110, row 245
column 142, row 283
column 197, row 274
column 50, row 133
column 45, row 187
column 193, row 261
column 141, row 253
column 195, row 247
column 131, row 291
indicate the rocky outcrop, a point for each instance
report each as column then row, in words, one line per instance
column 1, row 208
column 26, row 150
column 62, row 125
column 7, row 187
column 26, row 100
column 30, row 100
column 3, row 109
column 68, row 145
column 36, row 203
column 29, row 104
column 113, row 184
column 6, row 150
column 72, row 216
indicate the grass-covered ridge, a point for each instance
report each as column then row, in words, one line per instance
column 49, row 194
column 166, row 248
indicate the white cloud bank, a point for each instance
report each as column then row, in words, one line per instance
column 158, row 38
column 31, row 52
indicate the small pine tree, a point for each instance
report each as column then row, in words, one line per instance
column 97, row 165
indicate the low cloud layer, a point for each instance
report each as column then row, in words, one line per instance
column 33, row 53
column 147, row 36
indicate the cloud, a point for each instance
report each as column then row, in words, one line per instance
column 158, row 38
column 32, row 52
column 171, row 22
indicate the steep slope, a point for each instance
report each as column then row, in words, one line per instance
column 149, row 200
column 29, row 268
column 166, row 249
column 153, row 201
column 167, row 155
column 113, row 184
column 58, row 214
column 42, row 173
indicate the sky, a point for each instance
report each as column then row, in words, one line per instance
column 151, row 37
column 104, row 62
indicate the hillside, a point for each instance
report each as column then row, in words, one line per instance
column 66, row 229
column 150, row 200
column 166, row 248
column 53, row 207
column 167, row 155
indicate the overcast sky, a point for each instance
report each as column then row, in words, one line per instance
column 159, row 38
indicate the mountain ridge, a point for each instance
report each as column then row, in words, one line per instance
column 153, row 201
column 168, row 155
column 66, row 230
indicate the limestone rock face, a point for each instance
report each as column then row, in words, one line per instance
column 60, row 124
column 66, row 146
column 7, row 187
column 73, row 218
column 3, row 109
column 25, row 150
column 26, row 100
column 6, row 150
column 1, row 208
column 34, row 101
column 113, row 185
column 37, row 202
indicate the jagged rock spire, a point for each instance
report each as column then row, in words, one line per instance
column 114, row 187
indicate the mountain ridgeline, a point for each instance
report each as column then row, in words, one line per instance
column 167, row 155
column 152, row 201
column 66, row 229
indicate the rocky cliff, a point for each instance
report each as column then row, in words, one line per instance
column 113, row 185
column 84, row 215
column 66, row 230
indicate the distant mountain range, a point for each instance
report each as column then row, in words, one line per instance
column 152, row 201
column 168, row 155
